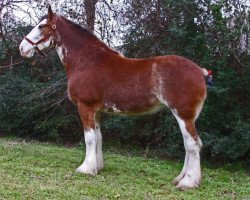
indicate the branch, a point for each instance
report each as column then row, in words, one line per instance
column 239, row 61
column 10, row 65
column 26, row 12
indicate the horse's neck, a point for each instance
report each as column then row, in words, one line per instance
column 74, row 48
column 78, row 49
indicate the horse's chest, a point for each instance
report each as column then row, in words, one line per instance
column 81, row 88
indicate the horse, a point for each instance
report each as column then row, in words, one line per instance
column 102, row 79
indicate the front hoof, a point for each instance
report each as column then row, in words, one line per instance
column 100, row 165
column 188, row 183
column 86, row 168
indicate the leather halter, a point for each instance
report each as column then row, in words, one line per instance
column 34, row 44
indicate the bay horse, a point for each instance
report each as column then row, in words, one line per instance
column 101, row 79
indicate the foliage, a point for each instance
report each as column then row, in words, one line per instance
column 41, row 109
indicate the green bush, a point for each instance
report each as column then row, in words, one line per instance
column 38, row 109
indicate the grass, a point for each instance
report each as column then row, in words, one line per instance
column 32, row 170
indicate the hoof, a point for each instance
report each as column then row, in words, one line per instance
column 87, row 168
column 188, row 182
column 100, row 167
column 178, row 179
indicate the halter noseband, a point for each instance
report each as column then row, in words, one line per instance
column 34, row 44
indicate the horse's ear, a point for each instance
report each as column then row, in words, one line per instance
column 50, row 13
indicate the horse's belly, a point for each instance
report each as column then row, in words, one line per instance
column 131, row 103
column 147, row 110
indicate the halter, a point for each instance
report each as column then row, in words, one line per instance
column 34, row 44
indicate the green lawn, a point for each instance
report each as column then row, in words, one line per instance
column 32, row 170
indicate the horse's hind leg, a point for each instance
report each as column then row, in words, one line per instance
column 190, row 175
column 183, row 171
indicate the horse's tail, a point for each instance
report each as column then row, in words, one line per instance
column 205, row 72
column 208, row 76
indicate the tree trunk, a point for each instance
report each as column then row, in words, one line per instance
column 89, row 6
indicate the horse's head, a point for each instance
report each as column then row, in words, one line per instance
column 40, row 37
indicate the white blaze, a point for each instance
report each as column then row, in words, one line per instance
column 27, row 49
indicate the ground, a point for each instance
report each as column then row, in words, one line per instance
column 32, row 170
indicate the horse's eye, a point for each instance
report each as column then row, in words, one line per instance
column 42, row 26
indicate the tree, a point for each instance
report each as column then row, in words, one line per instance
column 7, row 18
column 89, row 6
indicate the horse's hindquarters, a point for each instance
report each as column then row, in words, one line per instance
column 182, row 87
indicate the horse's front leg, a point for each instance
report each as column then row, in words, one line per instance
column 99, row 156
column 91, row 135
